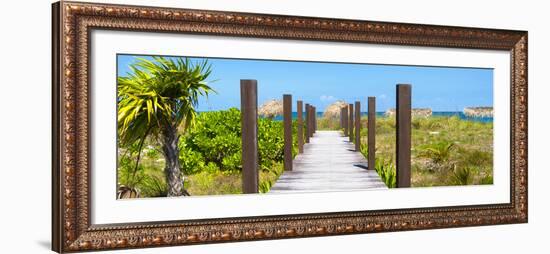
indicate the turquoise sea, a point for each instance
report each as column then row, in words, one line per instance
column 442, row 114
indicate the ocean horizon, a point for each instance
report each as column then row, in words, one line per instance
column 460, row 114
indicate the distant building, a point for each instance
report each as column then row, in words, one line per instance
column 415, row 112
column 478, row 111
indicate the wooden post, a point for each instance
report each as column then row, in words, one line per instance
column 249, row 137
column 311, row 121
column 345, row 120
column 300, row 129
column 314, row 119
column 341, row 118
column 287, row 122
column 350, row 106
column 371, row 133
column 308, row 115
column 403, row 135
column 357, row 126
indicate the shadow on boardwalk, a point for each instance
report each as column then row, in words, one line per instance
column 329, row 163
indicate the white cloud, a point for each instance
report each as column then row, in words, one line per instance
column 383, row 96
column 327, row 98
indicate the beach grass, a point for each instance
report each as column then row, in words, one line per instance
column 445, row 150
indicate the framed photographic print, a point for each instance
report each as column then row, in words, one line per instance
column 177, row 126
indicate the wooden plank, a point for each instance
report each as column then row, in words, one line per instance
column 403, row 135
column 358, row 126
column 328, row 163
column 249, row 137
column 350, row 120
column 371, row 128
column 300, row 127
column 287, row 124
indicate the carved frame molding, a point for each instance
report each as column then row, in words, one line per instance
column 71, row 226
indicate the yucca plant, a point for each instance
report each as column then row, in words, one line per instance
column 462, row 176
column 386, row 171
column 158, row 98
column 438, row 152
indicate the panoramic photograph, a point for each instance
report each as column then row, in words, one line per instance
column 192, row 126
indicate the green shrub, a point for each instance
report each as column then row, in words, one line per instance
column 269, row 177
column 191, row 161
column 270, row 142
column 476, row 158
column 462, row 176
column 438, row 152
column 128, row 174
column 215, row 136
column 416, row 123
column 137, row 179
column 214, row 144
column 328, row 123
column 385, row 125
column 438, row 144
column 488, row 179
column 153, row 186
column 386, row 171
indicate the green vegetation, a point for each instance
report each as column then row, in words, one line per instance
column 328, row 123
column 157, row 100
column 386, row 171
column 209, row 157
column 445, row 150
column 166, row 148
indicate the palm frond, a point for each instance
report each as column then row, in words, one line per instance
column 160, row 91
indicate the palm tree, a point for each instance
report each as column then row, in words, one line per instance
column 156, row 99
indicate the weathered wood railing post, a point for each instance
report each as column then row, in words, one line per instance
column 308, row 115
column 249, row 137
column 300, row 127
column 357, row 126
column 341, row 118
column 371, row 128
column 311, row 120
column 287, row 124
column 403, row 135
column 345, row 120
column 350, row 106
column 314, row 119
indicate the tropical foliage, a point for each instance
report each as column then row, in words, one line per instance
column 438, row 152
column 386, row 171
column 157, row 100
column 167, row 148
column 210, row 156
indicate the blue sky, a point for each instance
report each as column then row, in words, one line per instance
column 320, row 84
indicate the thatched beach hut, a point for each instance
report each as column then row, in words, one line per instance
column 271, row 109
column 415, row 112
column 333, row 110
column 478, row 111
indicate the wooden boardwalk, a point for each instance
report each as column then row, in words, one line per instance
column 329, row 163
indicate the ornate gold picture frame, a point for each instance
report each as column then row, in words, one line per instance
column 72, row 229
